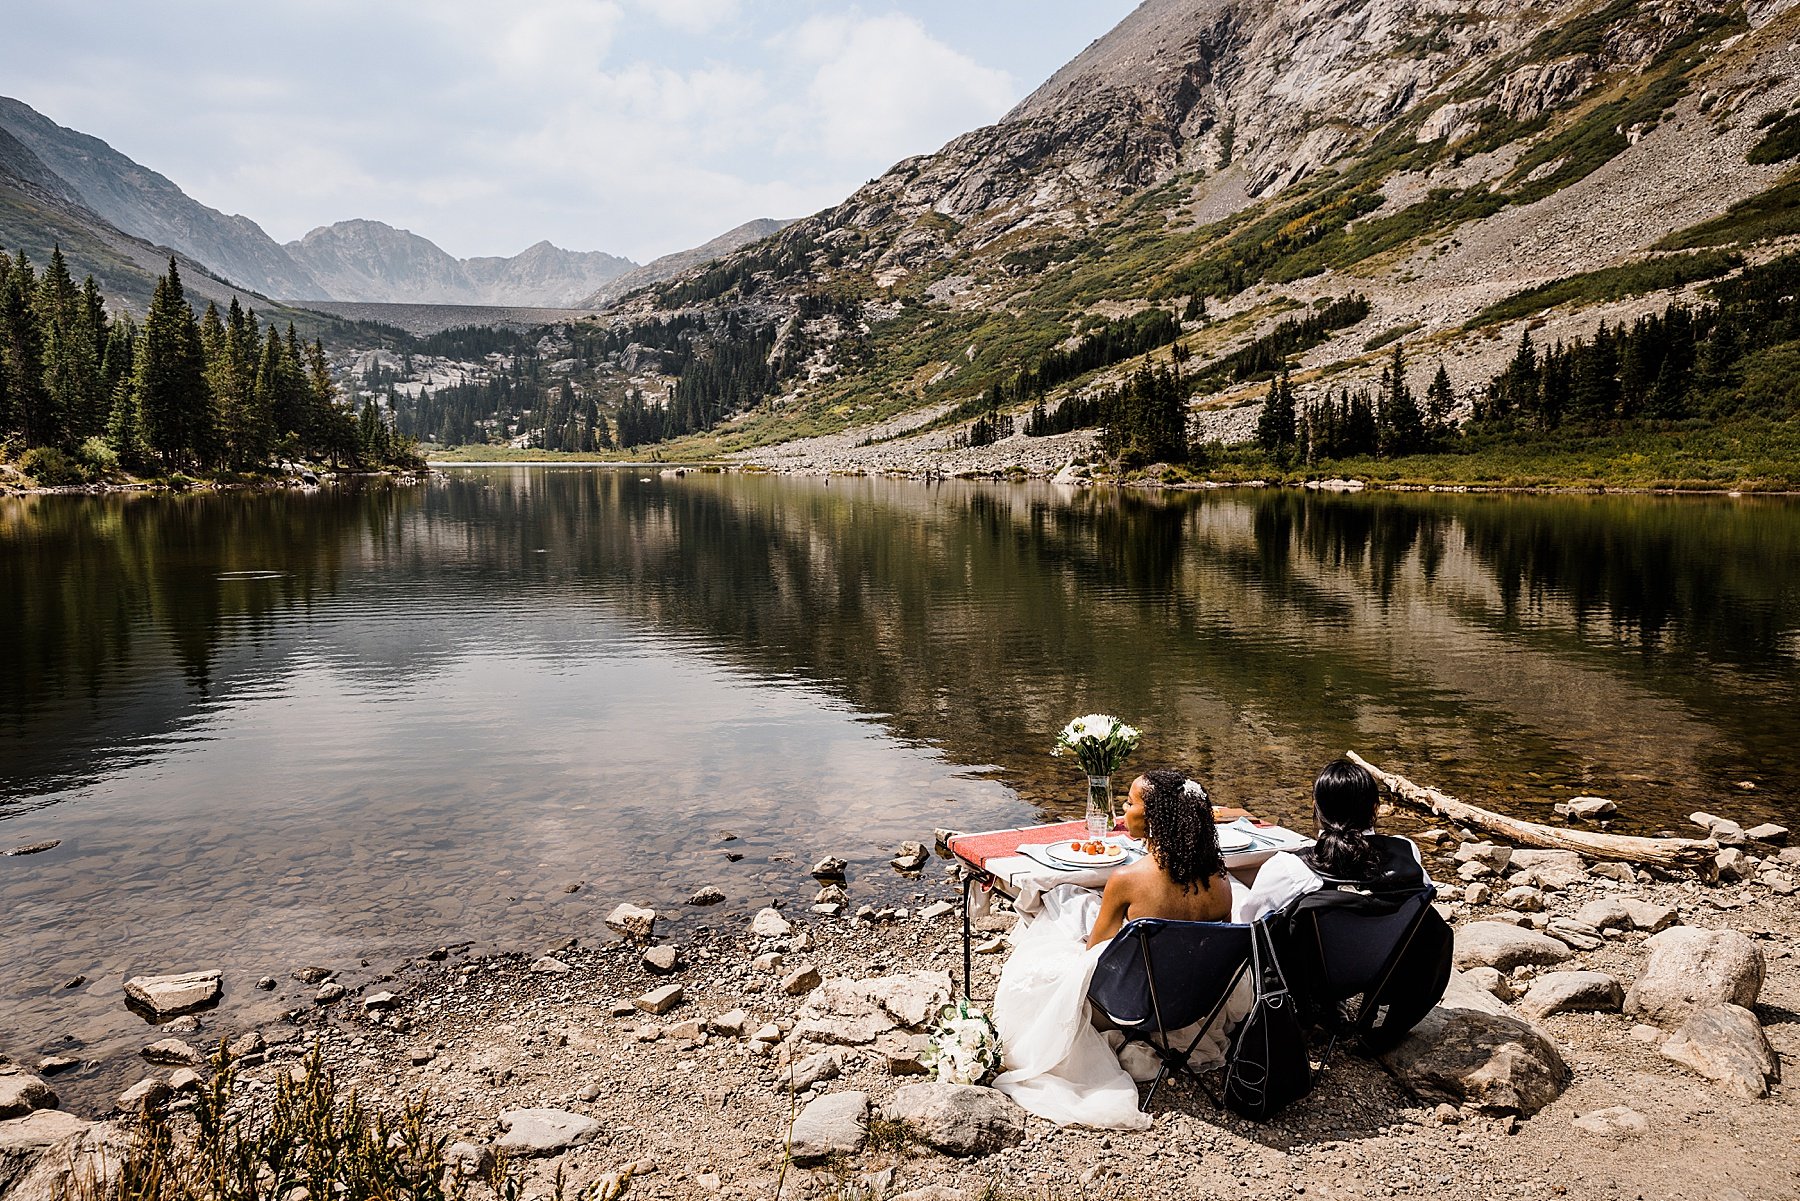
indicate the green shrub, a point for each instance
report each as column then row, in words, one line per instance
column 1781, row 143
column 1610, row 283
column 99, row 456
column 51, row 467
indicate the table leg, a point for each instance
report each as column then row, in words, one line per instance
column 968, row 954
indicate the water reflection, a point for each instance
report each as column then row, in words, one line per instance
column 285, row 727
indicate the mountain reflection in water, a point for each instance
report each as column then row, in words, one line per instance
column 277, row 728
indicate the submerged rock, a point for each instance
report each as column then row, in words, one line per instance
column 166, row 996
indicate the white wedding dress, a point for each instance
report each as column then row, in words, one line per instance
column 1056, row 1064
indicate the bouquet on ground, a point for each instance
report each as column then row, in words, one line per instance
column 1099, row 741
column 965, row 1047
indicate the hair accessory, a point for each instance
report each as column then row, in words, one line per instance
column 1192, row 788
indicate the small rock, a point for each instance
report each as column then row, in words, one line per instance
column 469, row 1160
column 549, row 965
column 837, row 1123
column 1723, row 831
column 173, row 1051
column 957, row 1119
column 935, row 910
column 1498, row 945
column 1726, row 1044
column 688, row 1031
column 1572, row 992
column 1547, row 869
column 1692, row 968
column 706, row 896
column 50, row 1065
column 662, row 960
column 166, row 996
column 34, row 848
column 536, row 1132
column 633, row 921
column 185, row 1024
column 144, row 1097
column 768, row 961
column 731, row 1023
column 184, row 1080
column 1523, row 899
column 21, row 1093
column 800, row 981
column 74, row 982
column 902, row 1053
column 830, row 909
column 266, row 984
column 1577, row 934
column 1649, row 916
column 1473, row 871
column 1488, row 854
column 768, row 923
column 1733, row 865
column 1605, row 913
column 312, row 975
column 1780, row 883
column 660, row 1000
column 376, row 1002
column 329, row 992
column 589, row 1092
column 829, row 868
column 1768, row 832
column 1647, row 1034
column 1590, row 808
column 1616, row 1121
column 1477, row 894
column 817, row 1067
column 911, row 857
column 768, row 1032
column 420, row 1056
column 1490, row 980
column 831, row 894
column 1613, row 871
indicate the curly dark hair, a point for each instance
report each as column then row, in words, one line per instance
column 1183, row 840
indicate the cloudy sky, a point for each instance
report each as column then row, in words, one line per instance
column 633, row 126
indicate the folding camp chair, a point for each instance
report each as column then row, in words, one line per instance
column 1343, row 952
column 1157, row 976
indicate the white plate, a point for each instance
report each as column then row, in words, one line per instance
column 1063, row 852
column 1232, row 841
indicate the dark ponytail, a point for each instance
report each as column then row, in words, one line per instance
column 1344, row 796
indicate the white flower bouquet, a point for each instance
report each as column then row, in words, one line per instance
column 965, row 1047
column 1099, row 741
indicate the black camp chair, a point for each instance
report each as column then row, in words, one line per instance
column 1365, row 966
column 1157, row 976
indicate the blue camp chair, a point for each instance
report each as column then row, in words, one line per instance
column 1157, row 976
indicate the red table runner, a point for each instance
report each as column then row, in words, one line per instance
column 996, row 844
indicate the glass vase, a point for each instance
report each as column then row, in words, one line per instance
column 1099, row 806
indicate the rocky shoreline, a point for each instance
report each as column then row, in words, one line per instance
column 1609, row 1033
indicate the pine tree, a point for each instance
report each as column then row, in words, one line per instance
column 1275, row 431
column 1402, row 425
column 1440, row 403
column 22, row 352
column 171, row 384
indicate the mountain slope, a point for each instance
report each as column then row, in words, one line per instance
column 1252, row 156
column 147, row 205
column 671, row 265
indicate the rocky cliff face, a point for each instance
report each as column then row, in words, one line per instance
column 671, row 265
column 1434, row 156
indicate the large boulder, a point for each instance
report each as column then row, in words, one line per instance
column 21, row 1092
column 834, row 1123
column 167, row 996
column 1691, row 967
column 1726, row 1044
column 1503, row 946
column 544, row 1131
column 1471, row 1049
column 958, row 1119
column 1571, row 992
column 46, row 1155
column 855, row 1012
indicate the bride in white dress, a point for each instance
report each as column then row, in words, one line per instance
column 1056, row 1063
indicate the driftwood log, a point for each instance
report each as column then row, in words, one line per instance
column 1657, row 852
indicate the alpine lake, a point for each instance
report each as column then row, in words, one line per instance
column 273, row 729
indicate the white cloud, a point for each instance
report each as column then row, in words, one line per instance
column 883, row 84
column 691, row 16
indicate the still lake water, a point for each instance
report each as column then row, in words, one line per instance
column 280, row 729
